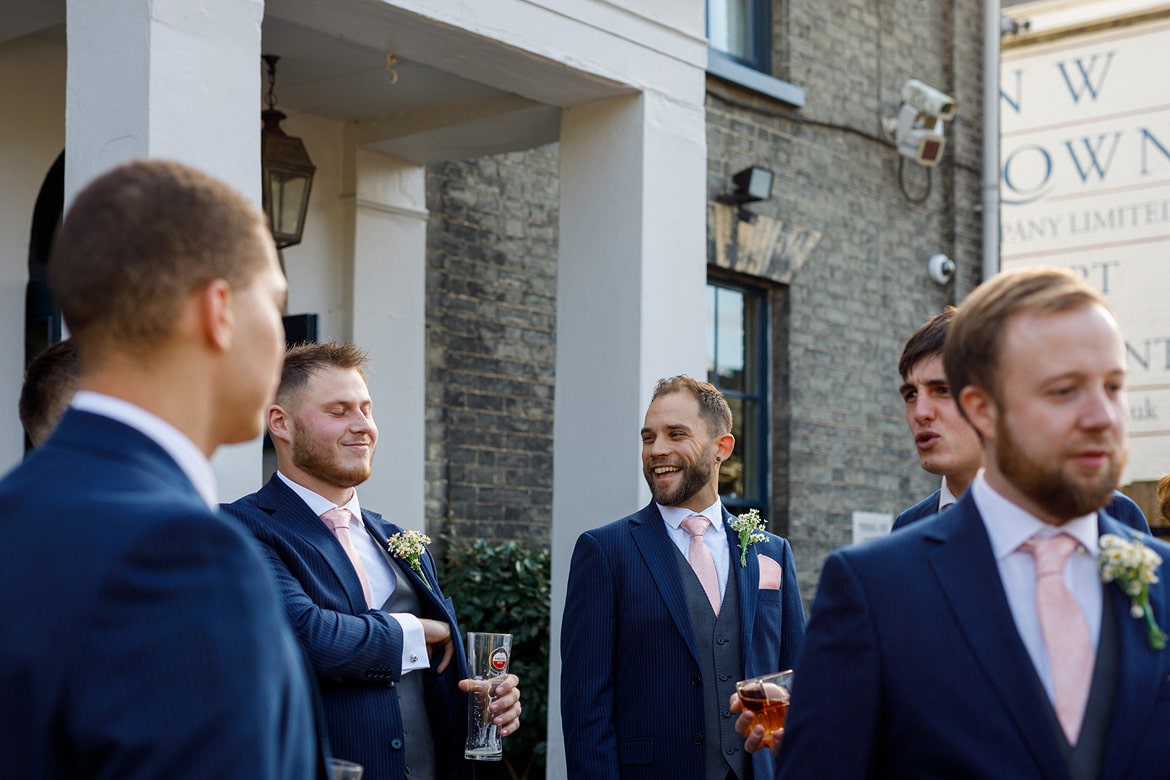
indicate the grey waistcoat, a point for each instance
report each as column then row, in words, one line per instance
column 418, row 745
column 721, row 664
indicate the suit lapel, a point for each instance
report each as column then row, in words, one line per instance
column 278, row 498
column 649, row 532
column 381, row 531
column 968, row 576
column 748, row 580
column 1139, row 669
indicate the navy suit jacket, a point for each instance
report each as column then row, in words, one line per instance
column 142, row 635
column 356, row 651
column 631, row 695
column 913, row 668
column 1121, row 508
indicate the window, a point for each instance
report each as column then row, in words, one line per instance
column 737, row 365
column 739, row 35
column 741, row 29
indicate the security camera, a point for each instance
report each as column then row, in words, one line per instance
column 919, row 136
column 929, row 100
column 941, row 268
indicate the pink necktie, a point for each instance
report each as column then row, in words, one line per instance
column 338, row 519
column 1065, row 631
column 700, row 559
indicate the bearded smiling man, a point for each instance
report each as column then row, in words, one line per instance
column 662, row 618
column 982, row 643
column 380, row 635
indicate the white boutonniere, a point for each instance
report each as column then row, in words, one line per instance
column 750, row 528
column 410, row 546
column 1133, row 566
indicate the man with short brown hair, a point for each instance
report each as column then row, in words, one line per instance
column 142, row 634
column 984, row 644
column 49, row 384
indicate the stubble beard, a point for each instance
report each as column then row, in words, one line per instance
column 325, row 466
column 1060, row 496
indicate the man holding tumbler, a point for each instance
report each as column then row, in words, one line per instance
column 361, row 593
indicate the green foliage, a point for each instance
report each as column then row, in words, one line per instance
column 505, row 588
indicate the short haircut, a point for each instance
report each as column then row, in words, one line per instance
column 713, row 408
column 304, row 360
column 926, row 342
column 972, row 351
column 50, row 381
column 1163, row 494
column 138, row 241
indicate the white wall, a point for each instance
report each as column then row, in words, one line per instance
column 32, row 134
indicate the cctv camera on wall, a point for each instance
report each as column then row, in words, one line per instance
column 919, row 136
column 928, row 100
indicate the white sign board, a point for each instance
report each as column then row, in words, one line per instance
column 1085, row 183
column 868, row 525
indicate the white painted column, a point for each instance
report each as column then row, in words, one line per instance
column 389, row 322
column 171, row 79
column 631, row 309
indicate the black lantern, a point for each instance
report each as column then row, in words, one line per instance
column 288, row 171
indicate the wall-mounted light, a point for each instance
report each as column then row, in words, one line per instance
column 288, row 171
column 751, row 185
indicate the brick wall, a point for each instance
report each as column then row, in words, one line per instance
column 491, row 335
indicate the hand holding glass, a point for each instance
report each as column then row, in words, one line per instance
column 767, row 699
column 488, row 656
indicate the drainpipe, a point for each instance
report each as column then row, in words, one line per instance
column 991, row 37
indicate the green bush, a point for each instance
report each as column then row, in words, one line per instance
column 504, row 588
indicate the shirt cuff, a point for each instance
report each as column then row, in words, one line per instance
column 414, row 642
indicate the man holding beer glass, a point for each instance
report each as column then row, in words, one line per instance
column 668, row 608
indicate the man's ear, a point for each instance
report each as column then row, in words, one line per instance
column 725, row 446
column 279, row 423
column 980, row 409
column 216, row 313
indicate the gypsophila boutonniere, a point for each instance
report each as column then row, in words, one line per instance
column 750, row 528
column 1133, row 566
column 410, row 546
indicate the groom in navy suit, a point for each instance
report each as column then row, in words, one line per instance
column 378, row 631
column 666, row 611
column 142, row 633
column 959, row 647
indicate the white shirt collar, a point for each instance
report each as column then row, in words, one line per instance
column 318, row 503
column 1009, row 525
column 945, row 496
column 174, row 442
column 674, row 515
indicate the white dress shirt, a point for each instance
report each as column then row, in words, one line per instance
column 945, row 496
column 190, row 458
column 381, row 577
column 1009, row 526
column 715, row 537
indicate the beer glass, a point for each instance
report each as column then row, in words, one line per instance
column 767, row 699
column 487, row 661
column 344, row 770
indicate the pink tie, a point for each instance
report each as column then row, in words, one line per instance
column 700, row 559
column 338, row 519
column 1065, row 631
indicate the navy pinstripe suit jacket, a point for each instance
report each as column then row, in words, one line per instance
column 356, row 652
column 631, row 695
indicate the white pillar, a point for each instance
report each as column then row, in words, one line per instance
column 631, row 282
column 389, row 322
column 171, row 79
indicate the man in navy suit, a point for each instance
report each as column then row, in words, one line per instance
column 379, row 633
column 143, row 636
column 938, row 651
column 650, row 653
column 947, row 444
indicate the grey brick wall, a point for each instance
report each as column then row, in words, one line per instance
column 839, row 437
column 491, row 335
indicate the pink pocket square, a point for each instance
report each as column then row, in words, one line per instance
column 770, row 572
